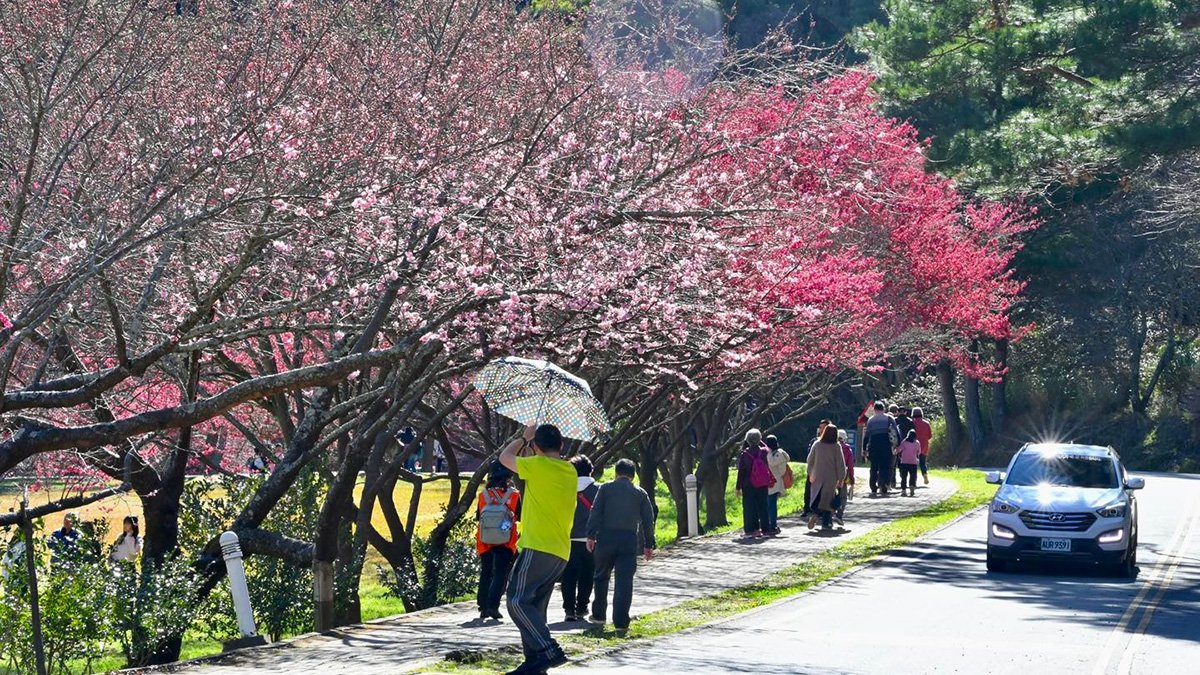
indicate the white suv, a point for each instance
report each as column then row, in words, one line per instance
column 1063, row 502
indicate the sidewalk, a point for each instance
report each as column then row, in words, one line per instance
column 686, row 570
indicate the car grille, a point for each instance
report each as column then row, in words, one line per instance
column 1056, row 521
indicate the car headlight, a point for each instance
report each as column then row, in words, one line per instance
column 1113, row 510
column 1003, row 507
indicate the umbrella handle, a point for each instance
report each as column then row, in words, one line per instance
column 537, row 419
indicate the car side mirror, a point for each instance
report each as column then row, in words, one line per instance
column 993, row 477
column 1135, row 483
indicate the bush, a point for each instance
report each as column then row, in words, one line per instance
column 280, row 592
column 457, row 569
column 152, row 608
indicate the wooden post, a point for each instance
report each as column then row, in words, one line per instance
column 323, row 608
column 39, row 650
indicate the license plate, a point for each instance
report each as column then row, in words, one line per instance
column 1057, row 545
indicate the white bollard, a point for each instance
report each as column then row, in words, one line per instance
column 231, row 549
column 693, row 505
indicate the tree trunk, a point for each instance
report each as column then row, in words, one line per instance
column 161, row 512
column 331, row 525
column 648, row 473
column 954, row 426
column 999, row 391
column 975, row 433
column 713, row 478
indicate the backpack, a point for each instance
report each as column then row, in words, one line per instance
column 496, row 519
column 760, row 472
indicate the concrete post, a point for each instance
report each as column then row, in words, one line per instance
column 693, row 505
column 231, row 549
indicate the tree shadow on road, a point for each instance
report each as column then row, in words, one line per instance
column 1068, row 593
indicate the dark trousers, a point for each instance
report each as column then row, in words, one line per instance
column 924, row 464
column 881, row 469
column 494, row 565
column 529, row 591
column 754, row 509
column 577, row 580
column 826, row 516
column 772, row 512
column 807, row 497
column 908, row 474
column 616, row 553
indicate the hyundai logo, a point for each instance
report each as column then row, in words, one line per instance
column 1057, row 517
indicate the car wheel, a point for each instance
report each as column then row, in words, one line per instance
column 995, row 564
column 1128, row 567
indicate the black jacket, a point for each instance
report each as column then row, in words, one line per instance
column 622, row 507
column 579, row 529
column 905, row 425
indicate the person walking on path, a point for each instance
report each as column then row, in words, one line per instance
column 924, row 435
column 498, row 511
column 753, row 480
column 894, row 472
column 129, row 544
column 621, row 524
column 908, row 454
column 777, row 460
column 827, row 473
column 847, row 489
column 581, row 568
column 879, row 431
column 545, row 542
column 808, row 486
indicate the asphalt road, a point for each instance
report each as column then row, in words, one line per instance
column 933, row 608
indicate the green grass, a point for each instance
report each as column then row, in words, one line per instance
column 375, row 601
column 972, row 492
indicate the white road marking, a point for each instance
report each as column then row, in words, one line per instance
column 1177, row 557
column 1117, row 636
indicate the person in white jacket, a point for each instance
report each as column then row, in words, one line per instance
column 129, row 544
column 777, row 460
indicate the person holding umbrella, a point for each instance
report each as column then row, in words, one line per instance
column 554, row 404
column 545, row 544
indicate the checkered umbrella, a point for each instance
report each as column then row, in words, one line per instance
column 539, row 392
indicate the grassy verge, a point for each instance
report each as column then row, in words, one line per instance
column 972, row 492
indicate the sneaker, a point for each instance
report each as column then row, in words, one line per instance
column 556, row 657
column 840, row 522
column 757, row 534
column 596, row 619
column 571, row 618
column 927, row 480
column 495, row 614
column 812, row 521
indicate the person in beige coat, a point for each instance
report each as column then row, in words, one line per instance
column 826, row 474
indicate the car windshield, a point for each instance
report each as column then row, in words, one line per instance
column 1063, row 471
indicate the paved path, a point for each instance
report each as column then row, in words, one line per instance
column 688, row 569
column 932, row 607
